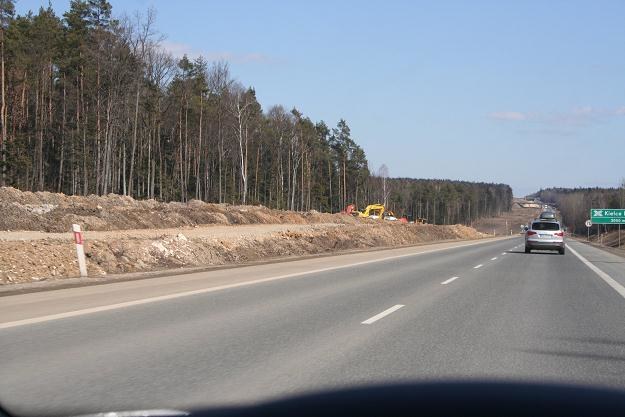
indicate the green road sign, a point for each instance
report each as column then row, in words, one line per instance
column 607, row 216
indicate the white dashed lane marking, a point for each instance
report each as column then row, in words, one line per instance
column 383, row 314
column 449, row 280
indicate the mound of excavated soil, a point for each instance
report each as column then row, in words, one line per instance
column 127, row 235
column 53, row 258
column 51, row 212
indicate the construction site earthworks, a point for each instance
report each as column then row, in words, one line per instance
column 123, row 235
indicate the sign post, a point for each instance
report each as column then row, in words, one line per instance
column 608, row 216
column 588, row 226
column 80, row 249
column 599, row 237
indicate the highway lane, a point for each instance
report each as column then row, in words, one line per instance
column 479, row 311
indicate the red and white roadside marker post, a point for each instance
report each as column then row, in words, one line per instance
column 80, row 249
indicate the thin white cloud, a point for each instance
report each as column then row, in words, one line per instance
column 508, row 115
column 178, row 50
column 579, row 116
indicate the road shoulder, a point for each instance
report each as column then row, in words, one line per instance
column 597, row 259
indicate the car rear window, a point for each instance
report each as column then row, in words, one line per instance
column 545, row 226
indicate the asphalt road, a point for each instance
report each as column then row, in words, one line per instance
column 480, row 311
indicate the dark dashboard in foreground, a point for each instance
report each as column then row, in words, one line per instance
column 429, row 399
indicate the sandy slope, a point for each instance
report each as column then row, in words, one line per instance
column 126, row 235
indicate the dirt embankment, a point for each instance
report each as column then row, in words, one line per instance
column 52, row 212
column 610, row 241
column 507, row 223
column 126, row 235
column 34, row 260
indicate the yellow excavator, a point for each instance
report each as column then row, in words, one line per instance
column 373, row 211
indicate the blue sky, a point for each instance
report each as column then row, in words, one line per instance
column 529, row 93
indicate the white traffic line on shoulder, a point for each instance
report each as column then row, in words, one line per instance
column 452, row 279
column 493, row 259
column 478, row 266
column 383, row 314
column 608, row 279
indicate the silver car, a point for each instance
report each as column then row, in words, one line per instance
column 544, row 234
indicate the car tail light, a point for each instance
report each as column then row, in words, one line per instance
column 530, row 233
column 559, row 234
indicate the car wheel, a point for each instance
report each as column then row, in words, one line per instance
column 527, row 249
column 561, row 251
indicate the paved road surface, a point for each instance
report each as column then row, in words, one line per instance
column 507, row 315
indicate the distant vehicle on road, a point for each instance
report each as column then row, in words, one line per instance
column 544, row 234
column 547, row 215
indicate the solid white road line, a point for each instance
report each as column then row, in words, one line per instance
column 383, row 314
column 449, row 280
column 493, row 259
column 608, row 279
column 477, row 266
column 149, row 300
